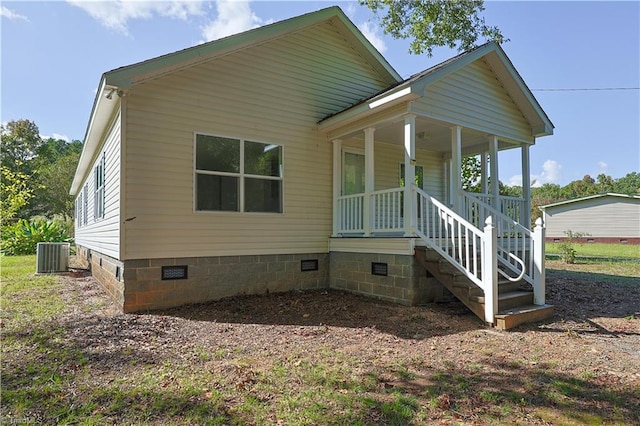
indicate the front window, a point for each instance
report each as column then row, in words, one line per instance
column 238, row 175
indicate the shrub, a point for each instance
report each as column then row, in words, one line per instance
column 567, row 252
column 23, row 236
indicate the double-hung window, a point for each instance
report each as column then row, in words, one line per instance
column 98, row 200
column 237, row 175
column 85, row 204
column 79, row 209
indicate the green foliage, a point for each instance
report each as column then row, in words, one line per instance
column 15, row 193
column 434, row 23
column 471, row 171
column 36, row 173
column 600, row 250
column 566, row 247
column 629, row 184
column 52, row 190
column 20, row 141
column 23, row 236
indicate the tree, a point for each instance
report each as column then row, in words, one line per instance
column 605, row 183
column 15, row 193
column 548, row 193
column 629, row 184
column 471, row 172
column 434, row 23
column 54, row 180
column 20, row 141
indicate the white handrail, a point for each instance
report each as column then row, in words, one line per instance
column 451, row 235
column 523, row 268
column 513, row 236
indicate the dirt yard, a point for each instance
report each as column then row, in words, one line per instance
column 439, row 360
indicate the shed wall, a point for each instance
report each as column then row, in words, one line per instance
column 606, row 217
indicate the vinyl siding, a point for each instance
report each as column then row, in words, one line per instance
column 103, row 234
column 473, row 97
column 387, row 160
column 272, row 93
column 600, row 217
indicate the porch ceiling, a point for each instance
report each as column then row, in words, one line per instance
column 432, row 135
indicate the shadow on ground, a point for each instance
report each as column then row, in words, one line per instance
column 333, row 308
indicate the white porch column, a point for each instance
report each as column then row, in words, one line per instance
column 539, row 274
column 456, row 167
column 525, row 214
column 369, row 179
column 484, row 176
column 493, row 165
column 410, row 213
column 337, row 185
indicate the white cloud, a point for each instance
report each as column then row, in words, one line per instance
column 371, row 32
column 56, row 136
column 551, row 173
column 603, row 166
column 350, row 10
column 11, row 15
column 234, row 16
column 59, row 136
column 117, row 13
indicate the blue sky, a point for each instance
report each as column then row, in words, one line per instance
column 53, row 54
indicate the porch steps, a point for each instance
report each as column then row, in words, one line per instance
column 515, row 300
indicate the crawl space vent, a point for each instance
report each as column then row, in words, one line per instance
column 174, row 272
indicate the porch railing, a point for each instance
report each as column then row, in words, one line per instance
column 513, row 207
column 387, row 208
column 386, row 212
column 351, row 213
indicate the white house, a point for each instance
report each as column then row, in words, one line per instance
column 607, row 218
column 276, row 159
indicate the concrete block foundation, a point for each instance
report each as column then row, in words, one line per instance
column 138, row 285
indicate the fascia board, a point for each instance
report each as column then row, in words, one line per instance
column 376, row 104
column 101, row 114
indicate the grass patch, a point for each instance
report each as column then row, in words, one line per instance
column 611, row 251
column 25, row 295
column 598, row 270
column 48, row 378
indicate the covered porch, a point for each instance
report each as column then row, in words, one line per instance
column 369, row 191
column 398, row 175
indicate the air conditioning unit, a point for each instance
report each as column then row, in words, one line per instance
column 52, row 257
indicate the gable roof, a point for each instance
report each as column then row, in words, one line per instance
column 114, row 84
column 591, row 197
column 415, row 86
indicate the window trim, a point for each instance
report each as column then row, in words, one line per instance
column 85, row 204
column 240, row 175
column 99, row 194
